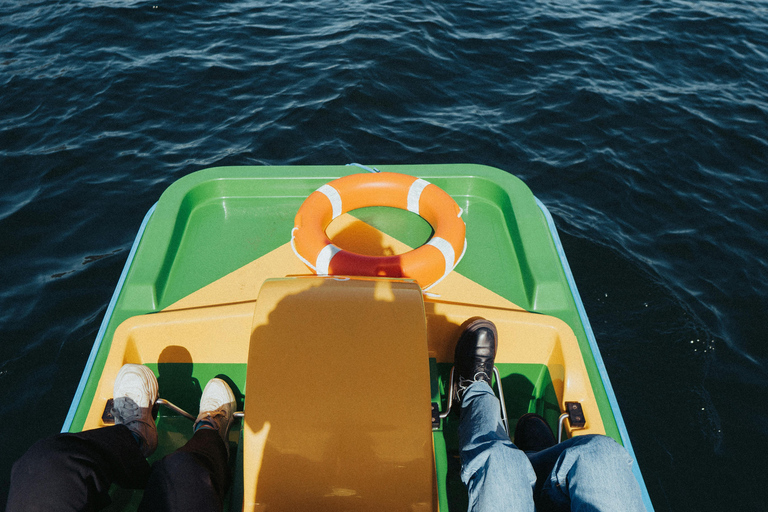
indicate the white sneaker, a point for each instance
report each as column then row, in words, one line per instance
column 135, row 394
column 217, row 407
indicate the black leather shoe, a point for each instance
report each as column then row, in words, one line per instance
column 532, row 433
column 475, row 354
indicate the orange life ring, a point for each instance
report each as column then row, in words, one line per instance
column 427, row 264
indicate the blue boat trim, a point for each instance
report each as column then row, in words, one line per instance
column 104, row 323
column 596, row 354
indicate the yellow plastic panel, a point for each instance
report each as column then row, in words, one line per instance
column 349, row 233
column 337, row 408
column 218, row 334
column 523, row 338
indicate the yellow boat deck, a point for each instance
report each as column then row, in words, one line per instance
column 338, row 378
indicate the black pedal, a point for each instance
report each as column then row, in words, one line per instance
column 435, row 416
column 106, row 416
column 575, row 414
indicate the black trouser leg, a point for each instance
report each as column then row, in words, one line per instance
column 74, row 471
column 194, row 477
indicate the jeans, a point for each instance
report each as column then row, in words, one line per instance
column 584, row 473
column 73, row 472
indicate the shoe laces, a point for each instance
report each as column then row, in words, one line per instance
column 465, row 383
column 213, row 418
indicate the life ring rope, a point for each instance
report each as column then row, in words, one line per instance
column 428, row 264
column 302, row 258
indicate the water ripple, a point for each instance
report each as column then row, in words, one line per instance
column 641, row 124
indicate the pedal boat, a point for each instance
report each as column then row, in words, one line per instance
column 343, row 381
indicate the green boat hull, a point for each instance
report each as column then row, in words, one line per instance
column 212, row 223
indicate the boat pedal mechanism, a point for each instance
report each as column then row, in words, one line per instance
column 575, row 415
column 437, row 415
column 108, row 419
column 574, row 412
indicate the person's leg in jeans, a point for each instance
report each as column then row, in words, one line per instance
column 586, row 473
column 196, row 476
column 498, row 476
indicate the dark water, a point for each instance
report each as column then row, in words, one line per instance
column 642, row 125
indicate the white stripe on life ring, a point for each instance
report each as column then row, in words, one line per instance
column 324, row 259
column 414, row 194
column 333, row 196
column 448, row 254
column 447, row 250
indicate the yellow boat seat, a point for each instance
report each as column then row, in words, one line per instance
column 337, row 408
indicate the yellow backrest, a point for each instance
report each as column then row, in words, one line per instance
column 337, row 408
